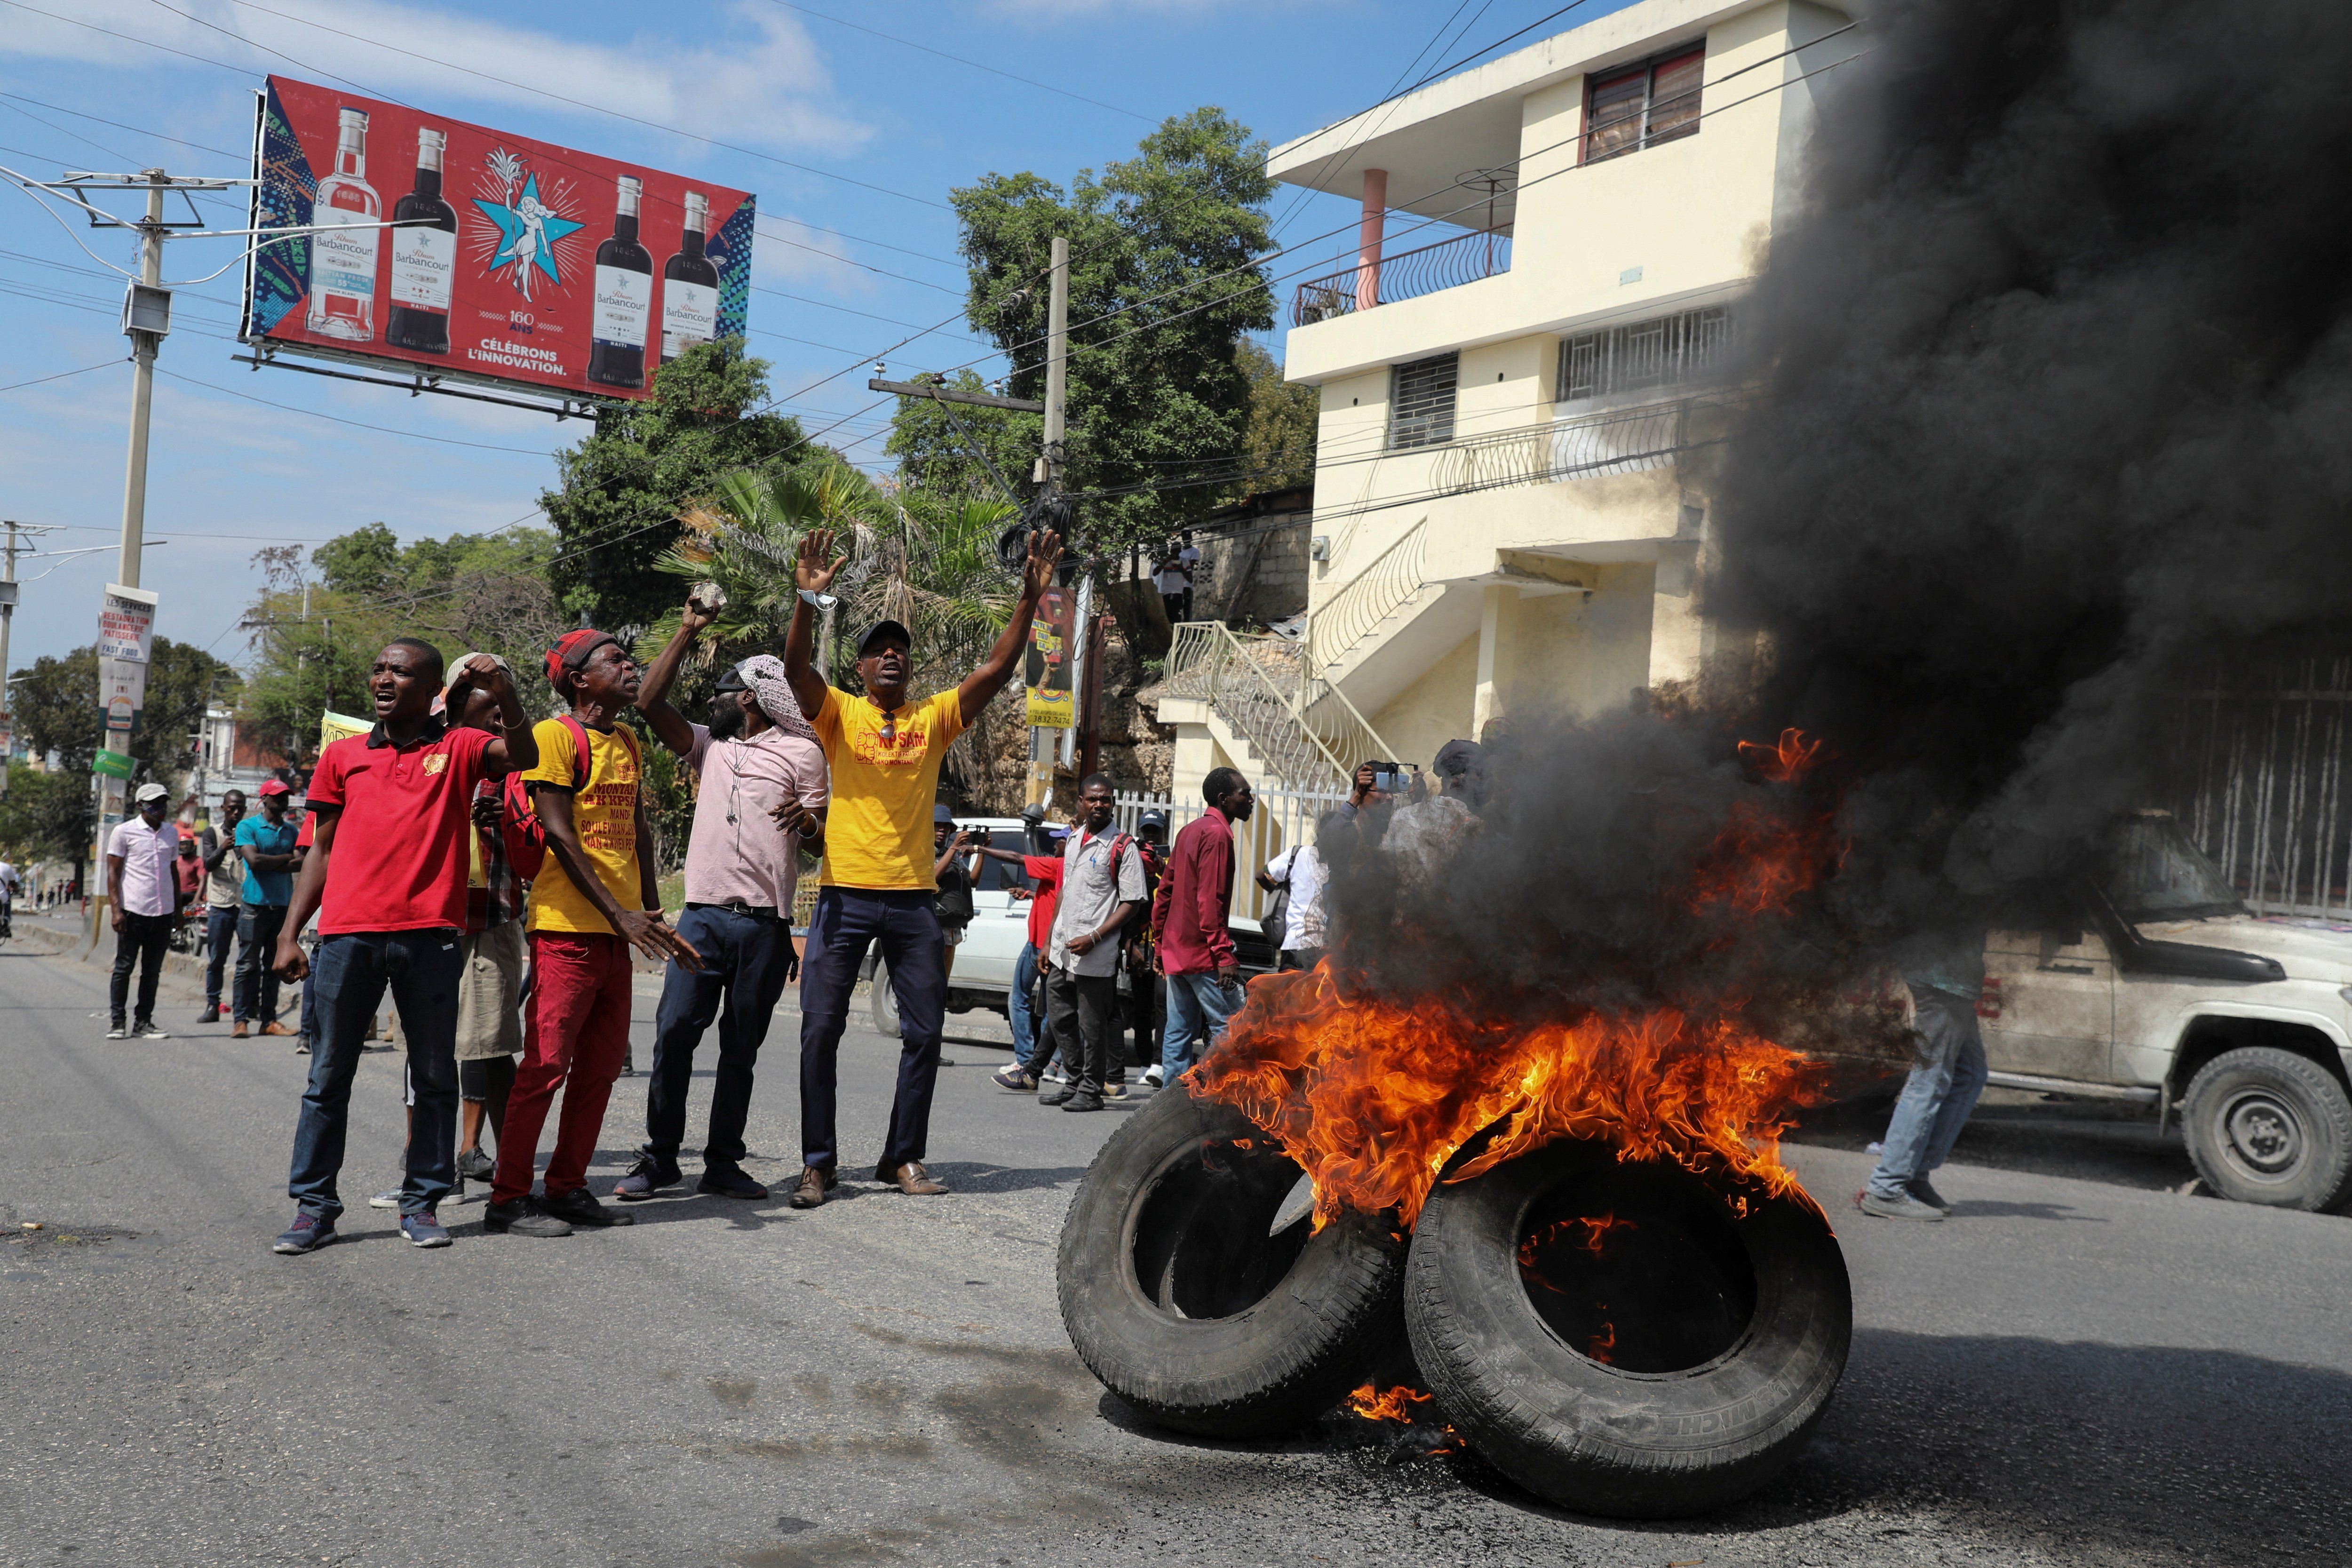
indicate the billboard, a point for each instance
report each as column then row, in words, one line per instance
column 454, row 249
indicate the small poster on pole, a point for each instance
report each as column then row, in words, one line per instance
column 1046, row 673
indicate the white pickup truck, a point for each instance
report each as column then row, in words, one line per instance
column 2164, row 989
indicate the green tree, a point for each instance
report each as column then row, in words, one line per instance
column 935, row 445
column 1169, row 237
column 620, row 488
column 57, row 709
column 1278, row 442
column 45, row 815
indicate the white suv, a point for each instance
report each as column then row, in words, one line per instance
column 982, row 975
column 2161, row 987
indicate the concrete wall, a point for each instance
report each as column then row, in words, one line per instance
column 1255, row 575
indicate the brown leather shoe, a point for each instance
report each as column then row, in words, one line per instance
column 275, row 1027
column 912, row 1180
column 238, row 1032
column 815, row 1184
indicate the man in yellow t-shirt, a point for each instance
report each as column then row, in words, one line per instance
column 593, row 899
column 884, row 753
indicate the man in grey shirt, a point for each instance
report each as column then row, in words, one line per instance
column 1102, row 887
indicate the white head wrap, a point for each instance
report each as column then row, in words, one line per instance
column 772, row 689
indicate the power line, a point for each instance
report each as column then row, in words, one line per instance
column 38, row 381
column 355, row 424
column 910, row 43
column 118, row 125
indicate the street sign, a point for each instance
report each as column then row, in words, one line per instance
column 113, row 764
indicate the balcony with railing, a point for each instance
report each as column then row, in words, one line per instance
column 1375, row 279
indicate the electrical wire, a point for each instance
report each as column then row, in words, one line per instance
column 942, row 54
column 39, row 381
column 355, row 424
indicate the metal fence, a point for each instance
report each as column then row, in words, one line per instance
column 1407, row 275
column 1281, row 818
column 1301, row 727
column 2258, row 781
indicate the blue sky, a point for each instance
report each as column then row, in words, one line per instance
column 873, row 256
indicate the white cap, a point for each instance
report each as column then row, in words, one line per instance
column 148, row 792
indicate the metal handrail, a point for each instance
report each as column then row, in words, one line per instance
column 1407, row 275
column 1308, row 734
column 1620, row 441
column 1347, row 616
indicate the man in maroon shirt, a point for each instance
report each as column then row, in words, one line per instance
column 386, row 874
column 1189, row 917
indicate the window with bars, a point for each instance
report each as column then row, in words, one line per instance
column 1665, row 350
column 1641, row 107
column 1421, row 402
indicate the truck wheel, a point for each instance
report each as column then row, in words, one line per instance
column 1181, row 1297
column 2266, row 1126
column 883, row 1003
column 1625, row 1339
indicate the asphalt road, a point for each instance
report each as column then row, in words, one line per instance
column 2082, row 1366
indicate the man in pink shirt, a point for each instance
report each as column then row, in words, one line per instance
column 759, row 802
column 1189, row 916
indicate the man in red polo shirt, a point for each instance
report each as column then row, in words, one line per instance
column 386, row 873
column 1189, row 916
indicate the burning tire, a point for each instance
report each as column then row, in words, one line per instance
column 1194, row 1286
column 1620, row 1340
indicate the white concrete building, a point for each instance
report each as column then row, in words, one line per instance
column 1506, row 513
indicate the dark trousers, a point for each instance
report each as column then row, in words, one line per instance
column 352, row 971
column 220, row 934
column 746, row 960
column 1078, row 1008
column 1146, row 1009
column 848, row 922
column 257, row 926
column 142, row 940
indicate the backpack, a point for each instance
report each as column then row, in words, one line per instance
column 523, row 834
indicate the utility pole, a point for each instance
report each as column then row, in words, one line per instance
column 1048, row 475
column 7, row 614
column 145, row 339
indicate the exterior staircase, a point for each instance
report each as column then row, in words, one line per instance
column 1265, row 703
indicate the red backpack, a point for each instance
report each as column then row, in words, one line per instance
column 524, row 834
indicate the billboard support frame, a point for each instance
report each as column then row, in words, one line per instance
column 265, row 353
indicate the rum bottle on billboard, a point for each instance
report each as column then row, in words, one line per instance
column 689, row 285
column 424, row 257
column 624, row 297
column 343, row 257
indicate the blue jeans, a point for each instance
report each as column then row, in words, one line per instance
column 257, row 950
column 747, row 962
column 1017, row 1008
column 1197, row 1010
column 352, row 972
column 220, row 931
column 1939, row 1095
column 849, row 921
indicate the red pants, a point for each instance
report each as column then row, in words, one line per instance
column 576, row 1034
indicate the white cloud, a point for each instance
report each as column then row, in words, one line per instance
column 814, row 257
column 767, row 87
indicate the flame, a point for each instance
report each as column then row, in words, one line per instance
column 1373, row 1096
column 1396, row 1404
column 1597, row 1229
column 1598, row 1346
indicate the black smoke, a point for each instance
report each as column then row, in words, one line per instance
column 2054, row 399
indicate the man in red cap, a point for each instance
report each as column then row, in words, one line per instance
column 386, row 874
column 593, row 901
column 884, row 753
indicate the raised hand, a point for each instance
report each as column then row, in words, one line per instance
column 694, row 619
column 1037, row 573
column 810, row 572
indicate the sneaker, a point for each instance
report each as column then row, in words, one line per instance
column 1927, row 1194
column 1083, row 1102
column 521, row 1217
column 578, row 1206
column 1017, row 1079
column 390, row 1200
column 424, row 1229
column 1059, row 1097
column 474, row 1164
column 629, row 1064
column 301, row 1048
column 117, row 1033
column 646, row 1178
column 210, row 1014
column 1114, row 1092
column 1900, row 1206
column 723, row 1181
column 1153, row 1076
column 1054, row 1075
column 306, row 1234
column 146, row 1029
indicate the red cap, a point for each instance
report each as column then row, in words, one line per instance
column 572, row 651
column 273, row 786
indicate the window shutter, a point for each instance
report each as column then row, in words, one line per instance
column 1664, row 351
column 1421, row 402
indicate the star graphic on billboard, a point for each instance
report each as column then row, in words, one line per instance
column 528, row 230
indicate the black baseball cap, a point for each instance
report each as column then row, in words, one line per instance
column 733, row 680
column 885, row 627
